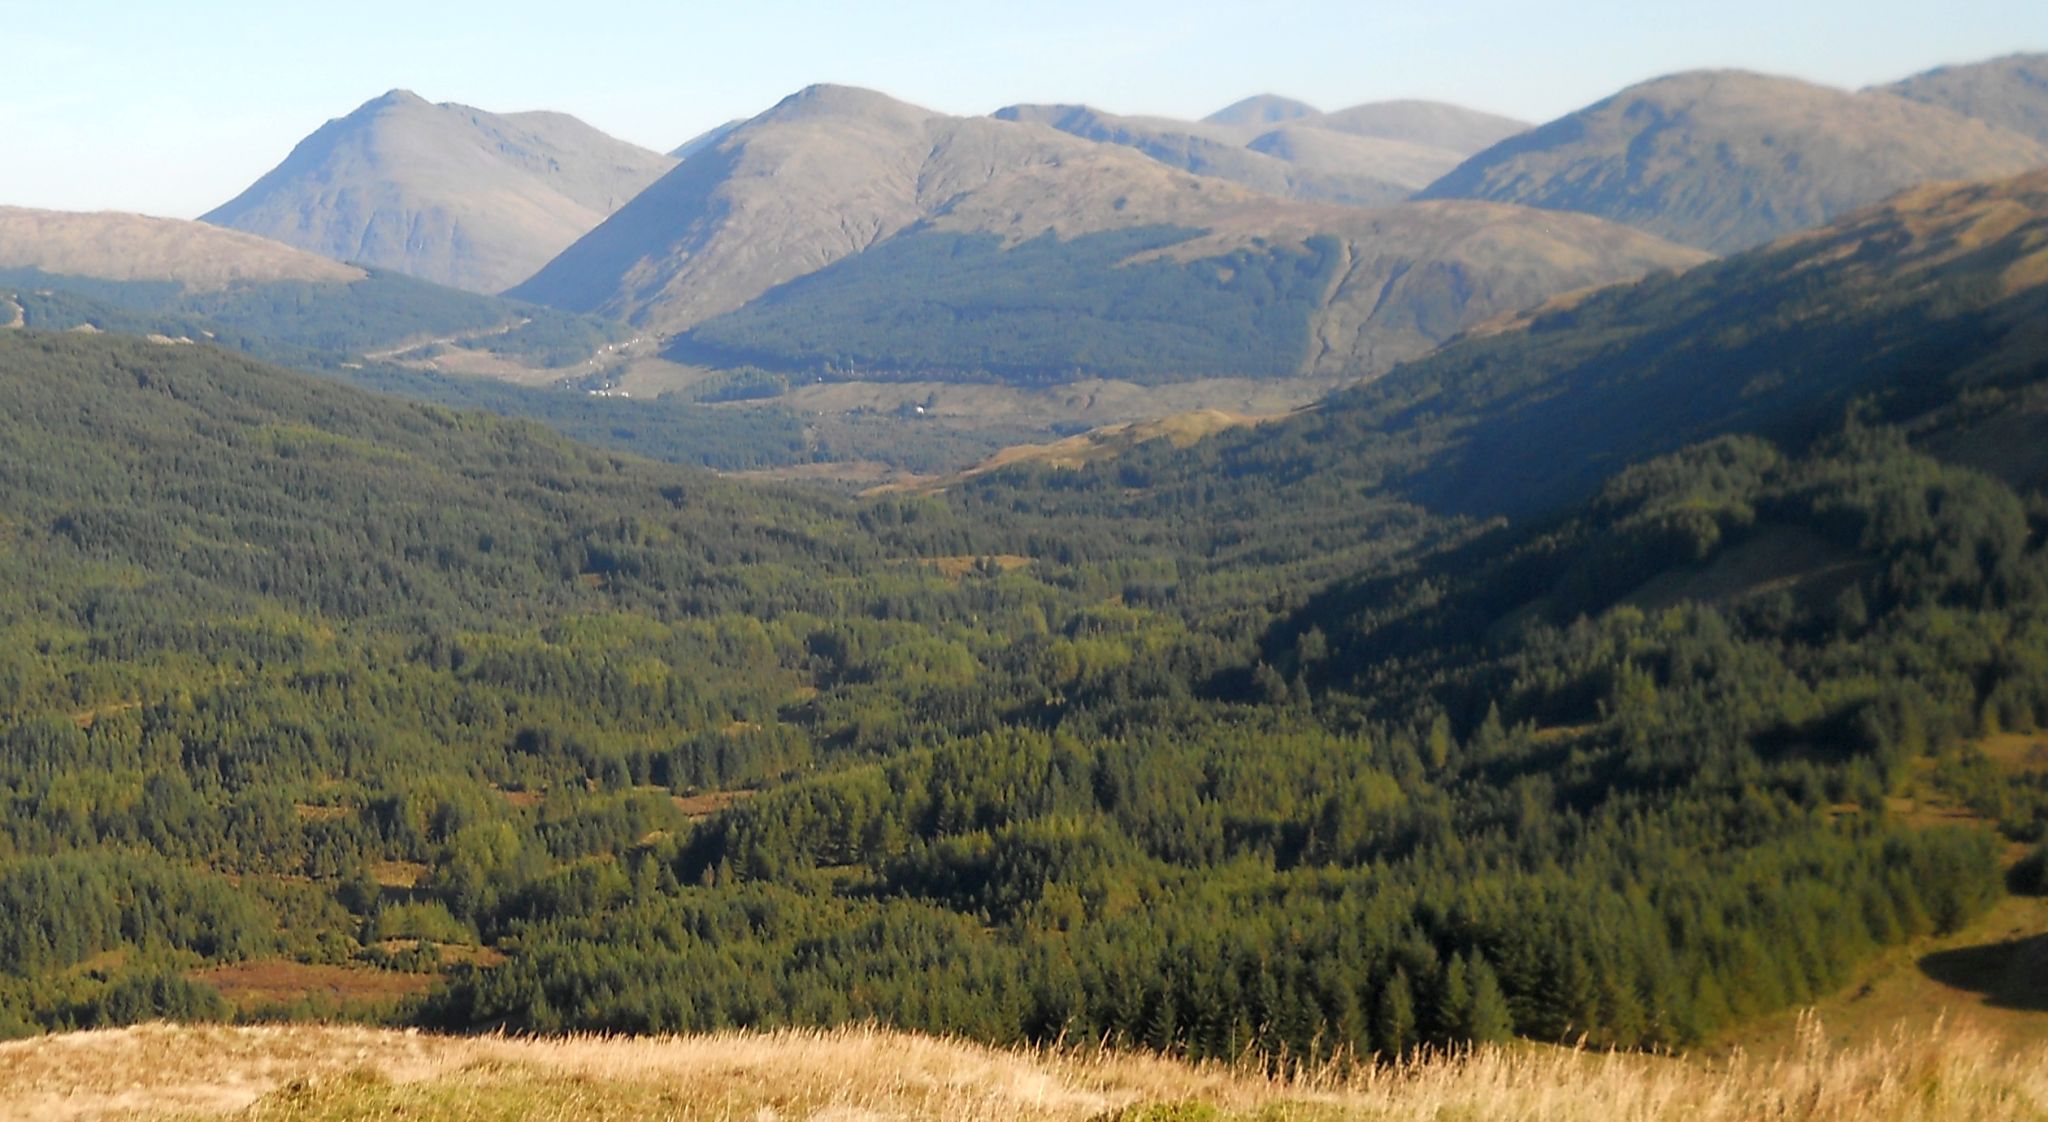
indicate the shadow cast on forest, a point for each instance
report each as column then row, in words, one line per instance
column 2010, row 975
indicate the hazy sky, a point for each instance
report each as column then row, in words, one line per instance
column 172, row 108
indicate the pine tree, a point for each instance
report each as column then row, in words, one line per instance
column 1453, row 1008
column 1436, row 747
column 1487, row 1020
column 1393, row 1023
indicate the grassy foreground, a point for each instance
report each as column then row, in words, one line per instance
column 171, row 1072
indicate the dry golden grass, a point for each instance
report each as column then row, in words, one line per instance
column 1102, row 443
column 164, row 1072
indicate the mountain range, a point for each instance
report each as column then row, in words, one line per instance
column 846, row 235
column 845, row 230
column 446, row 192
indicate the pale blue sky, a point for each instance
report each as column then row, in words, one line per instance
column 172, row 108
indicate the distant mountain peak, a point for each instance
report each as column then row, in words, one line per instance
column 1437, row 123
column 445, row 192
column 395, row 98
column 1262, row 109
column 826, row 99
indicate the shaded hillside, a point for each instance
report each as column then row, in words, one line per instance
column 1263, row 291
column 1939, row 293
column 1725, row 160
column 704, row 140
column 130, row 247
column 939, row 303
column 2010, row 92
column 444, row 192
column 1923, row 297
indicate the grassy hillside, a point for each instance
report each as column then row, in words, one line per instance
column 334, row 1075
column 1726, row 160
column 130, row 247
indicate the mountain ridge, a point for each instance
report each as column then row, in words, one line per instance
column 2010, row 91
column 1728, row 159
column 120, row 246
column 796, row 205
column 1366, row 155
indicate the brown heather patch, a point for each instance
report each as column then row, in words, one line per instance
column 957, row 568
column 86, row 718
column 701, row 806
column 520, row 799
column 398, row 874
column 2021, row 753
column 269, row 982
